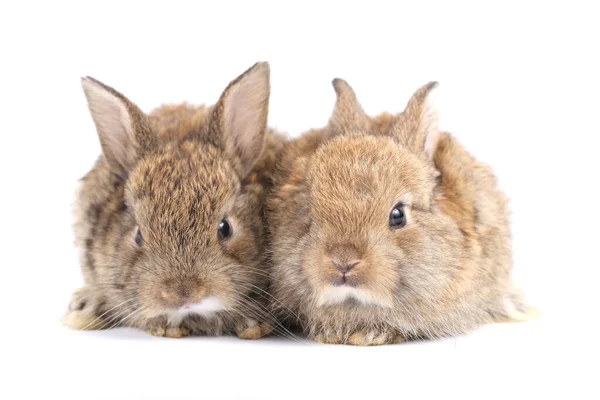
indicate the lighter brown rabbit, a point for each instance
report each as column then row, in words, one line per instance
column 385, row 229
column 170, row 220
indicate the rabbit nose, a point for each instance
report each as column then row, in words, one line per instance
column 182, row 293
column 345, row 267
column 344, row 257
column 175, row 297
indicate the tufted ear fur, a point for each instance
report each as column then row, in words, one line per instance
column 241, row 116
column 124, row 131
column 417, row 127
column 348, row 115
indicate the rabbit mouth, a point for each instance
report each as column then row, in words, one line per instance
column 346, row 280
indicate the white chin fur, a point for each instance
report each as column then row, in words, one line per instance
column 339, row 294
column 206, row 308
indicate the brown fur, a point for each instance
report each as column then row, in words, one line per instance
column 444, row 273
column 175, row 175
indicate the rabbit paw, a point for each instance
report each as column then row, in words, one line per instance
column 84, row 311
column 374, row 338
column 329, row 337
column 251, row 329
column 361, row 338
column 162, row 330
column 515, row 308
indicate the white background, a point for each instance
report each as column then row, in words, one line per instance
column 518, row 86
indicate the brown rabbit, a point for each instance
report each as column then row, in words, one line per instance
column 385, row 229
column 170, row 220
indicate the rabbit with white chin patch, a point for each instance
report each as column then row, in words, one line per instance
column 385, row 229
column 169, row 221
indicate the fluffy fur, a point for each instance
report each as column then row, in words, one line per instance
column 445, row 272
column 147, row 215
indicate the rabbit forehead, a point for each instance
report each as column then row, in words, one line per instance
column 366, row 171
column 185, row 187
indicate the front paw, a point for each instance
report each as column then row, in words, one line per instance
column 251, row 329
column 85, row 311
column 163, row 330
column 360, row 338
column 374, row 338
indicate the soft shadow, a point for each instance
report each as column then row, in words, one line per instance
column 131, row 334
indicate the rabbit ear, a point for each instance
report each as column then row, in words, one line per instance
column 241, row 115
column 124, row 131
column 417, row 127
column 348, row 115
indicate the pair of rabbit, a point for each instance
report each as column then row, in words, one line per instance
column 201, row 220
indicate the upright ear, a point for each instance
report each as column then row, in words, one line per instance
column 241, row 115
column 348, row 115
column 417, row 127
column 124, row 131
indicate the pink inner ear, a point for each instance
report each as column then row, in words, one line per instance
column 113, row 124
column 348, row 115
column 429, row 123
column 245, row 115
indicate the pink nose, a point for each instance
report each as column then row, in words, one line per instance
column 345, row 267
column 180, row 293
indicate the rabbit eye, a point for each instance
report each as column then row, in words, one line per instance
column 224, row 229
column 397, row 217
column 139, row 239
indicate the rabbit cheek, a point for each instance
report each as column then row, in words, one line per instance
column 246, row 269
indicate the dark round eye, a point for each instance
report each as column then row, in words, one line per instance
column 397, row 217
column 224, row 229
column 139, row 239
